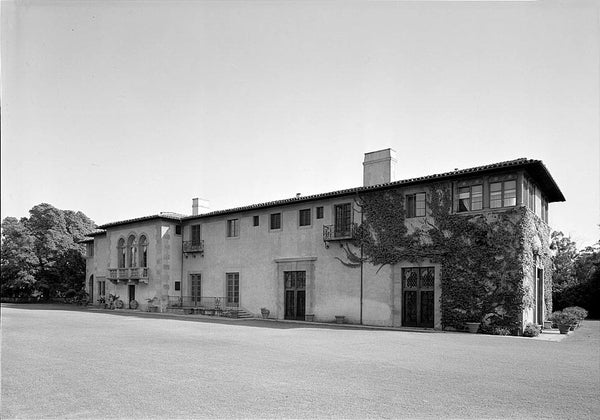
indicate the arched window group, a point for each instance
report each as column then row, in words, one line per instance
column 133, row 253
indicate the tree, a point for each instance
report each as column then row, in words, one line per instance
column 41, row 255
column 564, row 262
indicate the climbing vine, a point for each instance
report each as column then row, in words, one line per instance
column 484, row 257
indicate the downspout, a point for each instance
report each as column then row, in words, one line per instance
column 361, row 270
column 181, row 271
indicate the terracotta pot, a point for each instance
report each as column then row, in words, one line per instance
column 473, row 327
column 309, row 318
column 339, row 319
column 564, row 329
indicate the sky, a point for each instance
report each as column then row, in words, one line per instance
column 122, row 109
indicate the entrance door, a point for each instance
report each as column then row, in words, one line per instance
column 196, row 283
column 418, row 296
column 91, row 288
column 539, row 297
column 295, row 294
column 131, row 292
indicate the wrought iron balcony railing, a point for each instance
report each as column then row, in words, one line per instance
column 203, row 302
column 129, row 274
column 193, row 246
column 337, row 233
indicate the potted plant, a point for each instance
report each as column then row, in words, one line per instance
column 579, row 313
column 339, row 319
column 112, row 299
column 564, row 320
column 102, row 302
column 151, row 306
column 265, row 313
column 309, row 317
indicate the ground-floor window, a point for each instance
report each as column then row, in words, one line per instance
column 233, row 289
column 101, row 288
column 418, row 296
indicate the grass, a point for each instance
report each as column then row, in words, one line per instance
column 60, row 363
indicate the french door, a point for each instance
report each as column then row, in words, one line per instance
column 196, row 285
column 418, row 296
column 295, row 294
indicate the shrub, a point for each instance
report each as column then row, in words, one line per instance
column 563, row 318
column 579, row 312
column 531, row 330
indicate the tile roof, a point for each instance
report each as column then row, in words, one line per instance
column 162, row 215
column 535, row 167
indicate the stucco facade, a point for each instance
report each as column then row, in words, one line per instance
column 292, row 256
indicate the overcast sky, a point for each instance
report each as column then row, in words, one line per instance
column 122, row 109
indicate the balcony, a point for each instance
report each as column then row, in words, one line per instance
column 128, row 275
column 192, row 247
column 339, row 233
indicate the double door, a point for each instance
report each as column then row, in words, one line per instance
column 418, row 296
column 295, row 294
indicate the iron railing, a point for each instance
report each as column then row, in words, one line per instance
column 203, row 302
column 337, row 233
column 193, row 246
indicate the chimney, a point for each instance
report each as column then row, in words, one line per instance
column 194, row 207
column 379, row 167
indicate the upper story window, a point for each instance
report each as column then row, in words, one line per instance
column 143, row 251
column 255, row 220
column 275, row 221
column 304, row 217
column 233, row 228
column 121, row 253
column 90, row 249
column 415, row 205
column 343, row 219
column 177, row 229
column 470, row 198
column 503, row 194
column 320, row 212
column 196, row 235
column 131, row 252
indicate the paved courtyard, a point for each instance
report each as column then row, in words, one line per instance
column 64, row 363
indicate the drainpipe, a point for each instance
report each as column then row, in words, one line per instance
column 181, row 271
column 361, row 271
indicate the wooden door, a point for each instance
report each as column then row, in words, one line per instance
column 196, row 285
column 295, row 294
column 418, row 297
column 131, row 292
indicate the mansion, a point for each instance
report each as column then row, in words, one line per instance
column 428, row 252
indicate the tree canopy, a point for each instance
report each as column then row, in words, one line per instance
column 40, row 255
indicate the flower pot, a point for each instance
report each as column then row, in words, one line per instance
column 547, row 325
column 564, row 328
column 265, row 315
column 309, row 318
column 473, row 327
column 339, row 319
column 152, row 308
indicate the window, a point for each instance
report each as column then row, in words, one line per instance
column 275, row 221
column 143, row 251
column 177, row 285
column 256, row 220
column 177, row 229
column 233, row 289
column 304, row 218
column 101, row 288
column 470, row 198
column 131, row 252
column 320, row 212
column 415, row 205
column 233, row 228
column 121, row 253
column 90, row 249
column 343, row 220
column 196, row 235
column 503, row 194
column 544, row 210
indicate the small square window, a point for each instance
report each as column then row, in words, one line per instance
column 304, row 218
column 275, row 221
column 177, row 285
column 177, row 229
column 256, row 220
column 320, row 212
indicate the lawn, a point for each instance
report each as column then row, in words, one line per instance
column 63, row 363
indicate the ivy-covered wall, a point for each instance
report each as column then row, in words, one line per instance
column 487, row 258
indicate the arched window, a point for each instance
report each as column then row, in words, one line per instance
column 131, row 252
column 121, row 253
column 143, row 251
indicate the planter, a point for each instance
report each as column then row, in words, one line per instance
column 152, row 308
column 309, row 318
column 547, row 325
column 563, row 328
column 339, row 319
column 133, row 304
column 265, row 315
column 473, row 327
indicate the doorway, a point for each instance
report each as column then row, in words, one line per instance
column 539, row 297
column 196, row 285
column 131, row 288
column 418, row 297
column 91, row 288
column 295, row 294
